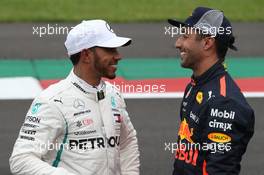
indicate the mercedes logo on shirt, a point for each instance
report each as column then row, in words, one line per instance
column 78, row 104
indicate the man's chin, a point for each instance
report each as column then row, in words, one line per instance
column 184, row 65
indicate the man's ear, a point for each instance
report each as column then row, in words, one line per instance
column 208, row 42
column 85, row 56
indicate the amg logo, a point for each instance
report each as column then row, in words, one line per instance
column 221, row 114
column 82, row 112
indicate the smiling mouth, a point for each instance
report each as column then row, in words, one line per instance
column 114, row 65
column 182, row 53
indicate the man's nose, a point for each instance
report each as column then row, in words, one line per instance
column 178, row 43
column 118, row 56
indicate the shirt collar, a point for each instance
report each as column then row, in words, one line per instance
column 83, row 85
column 216, row 69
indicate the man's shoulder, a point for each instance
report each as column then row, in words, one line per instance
column 54, row 90
column 223, row 91
column 234, row 93
column 224, row 85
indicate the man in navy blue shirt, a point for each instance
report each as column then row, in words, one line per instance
column 216, row 120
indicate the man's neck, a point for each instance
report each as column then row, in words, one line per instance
column 203, row 66
column 86, row 76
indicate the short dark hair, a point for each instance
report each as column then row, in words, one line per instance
column 75, row 58
column 221, row 48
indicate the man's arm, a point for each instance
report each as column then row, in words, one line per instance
column 229, row 126
column 42, row 125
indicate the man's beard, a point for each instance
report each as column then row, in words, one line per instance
column 103, row 69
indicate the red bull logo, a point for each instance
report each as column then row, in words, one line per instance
column 185, row 132
column 189, row 155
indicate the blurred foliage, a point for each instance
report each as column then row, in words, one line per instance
column 123, row 11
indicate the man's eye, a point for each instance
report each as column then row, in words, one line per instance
column 109, row 50
column 113, row 50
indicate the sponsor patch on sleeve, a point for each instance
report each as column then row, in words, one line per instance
column 35, row 108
